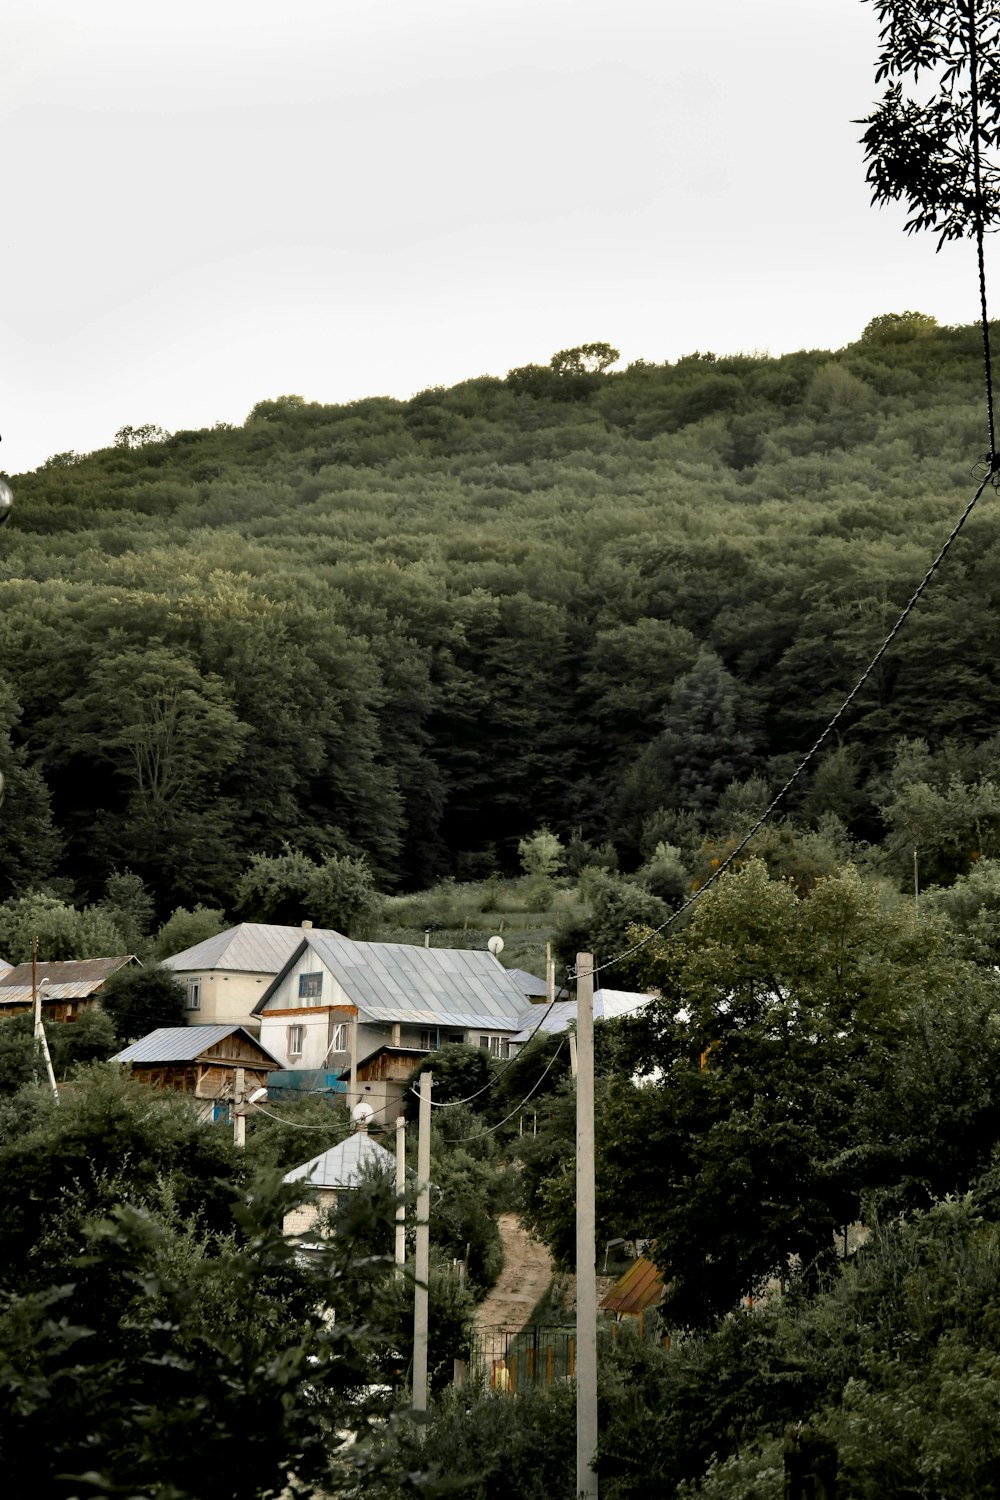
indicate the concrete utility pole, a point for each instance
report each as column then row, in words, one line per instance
column 354, row 1064
column 239, row 1114
column 422, row 1260
column 41, row 1040
column 400, row 1194
column 586, row 1235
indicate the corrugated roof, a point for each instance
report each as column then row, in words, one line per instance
column 608, row 1005
column 344, row 1166
column 460, row 987
column 640, row 1288
column 250, row 948
column 65, row 979
column 168, row 1044
column 528, row 984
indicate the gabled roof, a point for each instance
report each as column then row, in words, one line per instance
column 250, row 948
column 65, row 979
column 528, row 984
column 460, row 987
column 4, row 966
column 345, row 1165
column 386, row 1050
column 608, row 1005
column 174, row 1044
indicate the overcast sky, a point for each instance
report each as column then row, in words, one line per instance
column 211, row 202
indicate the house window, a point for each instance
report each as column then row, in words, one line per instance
column 296, row 1038
column 496, row 1046
column 194, row 994
column 340, row 1042
column 311, row 986
column 456, row 1036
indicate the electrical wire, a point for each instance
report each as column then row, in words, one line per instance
column 294, row 1124
column 992, row 476
column 980, row 229
column 463, row 1140
column 496, row 1077
column 776, row 800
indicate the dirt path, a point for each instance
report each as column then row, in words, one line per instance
column 526, row 1273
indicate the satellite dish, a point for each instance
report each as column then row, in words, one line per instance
column 495, row 945
column 6, row 499
column 362, row 1113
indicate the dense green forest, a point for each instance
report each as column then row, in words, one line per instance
column 616, row 603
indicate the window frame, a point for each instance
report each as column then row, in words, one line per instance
column 296, row 1031
column 311, row 986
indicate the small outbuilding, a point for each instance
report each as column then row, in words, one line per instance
column 341, row 1169
column 200, row 1060
column 66, row 986
column 635, row 1294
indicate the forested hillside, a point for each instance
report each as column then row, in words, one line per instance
column 614, row 602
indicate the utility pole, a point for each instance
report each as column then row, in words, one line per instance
column 586, row 1235
column 239, row 1116
column 400, row 1194
column 354, row 1064
column 41, row 1040
column 422, row 1260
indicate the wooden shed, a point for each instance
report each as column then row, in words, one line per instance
column 200, row 1060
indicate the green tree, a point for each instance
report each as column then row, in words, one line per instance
column 29, row 840
column 130, row 907
column 62, row 930
column 707, row 743
column 252, row 1379
column 183, row 929
column 919, row 149
column 138, row 1000
column 458, row 1070
column 585, row 359
column 337, row 892
column 806, row 1053
column 895, row 328
column 167, row 733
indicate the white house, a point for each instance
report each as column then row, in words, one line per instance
column 225, row 976
column 608, row 1006
column 388, row 1002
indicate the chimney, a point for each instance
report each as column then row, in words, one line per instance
column 306, row 922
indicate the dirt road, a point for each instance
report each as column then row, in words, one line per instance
column 526, row 1273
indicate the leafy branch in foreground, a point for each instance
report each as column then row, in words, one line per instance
column 922, row 150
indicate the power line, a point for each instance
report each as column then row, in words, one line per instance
column 496, row 1077
column 907, row 610
column 489, row 1129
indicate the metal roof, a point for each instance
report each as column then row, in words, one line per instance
column 528, row 984
column 168, row 1044
column 388, row 982
column 64, row 979
column 345, row 1165
column 608, row 1005
column 250, row 948
column 640, row 1287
